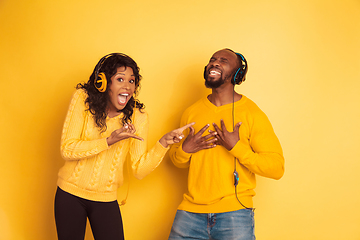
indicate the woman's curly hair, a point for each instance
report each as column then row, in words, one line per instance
column 97, row 101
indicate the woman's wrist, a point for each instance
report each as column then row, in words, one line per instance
column 109, row 142
column 163, row 142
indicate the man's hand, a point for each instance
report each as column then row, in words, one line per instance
column 127, row 131
column 226, row 138
column 196, row 142
column 174, row 136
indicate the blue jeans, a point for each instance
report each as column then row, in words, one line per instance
column 237, row 225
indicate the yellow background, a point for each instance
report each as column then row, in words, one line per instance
column 304, row 72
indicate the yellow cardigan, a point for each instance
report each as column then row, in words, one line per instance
column 93, row 170
column 211, row 180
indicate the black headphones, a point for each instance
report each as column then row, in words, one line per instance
column 240, row 73
column 100, row 80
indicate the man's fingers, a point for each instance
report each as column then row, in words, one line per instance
column 203, row 130
column 210, row 135
column 208, row 144
column 217, row 129
column 210, row 141
column 192, row 131
column 223, row 127
column 237, row 126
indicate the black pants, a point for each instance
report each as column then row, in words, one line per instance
column 71, row 214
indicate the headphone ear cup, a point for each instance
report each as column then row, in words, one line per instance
column 237, row 77
column 101, row 82
column 241, row 72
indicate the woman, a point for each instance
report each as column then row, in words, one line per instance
column 103, row 124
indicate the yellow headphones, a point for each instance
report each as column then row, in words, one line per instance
column 100, row 80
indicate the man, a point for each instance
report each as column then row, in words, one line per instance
column 223, row 157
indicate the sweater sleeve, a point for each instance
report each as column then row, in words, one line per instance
column 73, row 146
column 261, row 153
column 144, row 161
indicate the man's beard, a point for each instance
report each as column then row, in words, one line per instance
column 213, row 84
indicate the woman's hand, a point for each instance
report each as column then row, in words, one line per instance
column 127, row 131
column 174, row 136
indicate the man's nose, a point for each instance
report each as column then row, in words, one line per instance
column 216, row 63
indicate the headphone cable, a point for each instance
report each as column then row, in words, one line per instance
column 236, row 175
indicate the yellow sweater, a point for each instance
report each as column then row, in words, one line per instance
column 211, row 181
column 93, row 170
